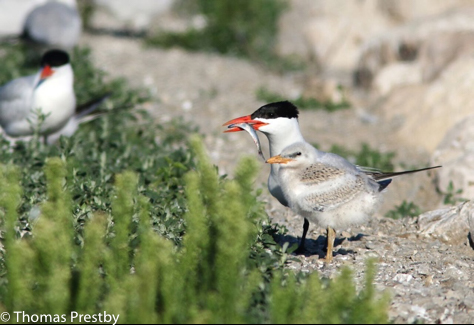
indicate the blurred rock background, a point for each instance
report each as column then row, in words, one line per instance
column 405, row 67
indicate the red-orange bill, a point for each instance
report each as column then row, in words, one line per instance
column 46, row 72
column 243, row 119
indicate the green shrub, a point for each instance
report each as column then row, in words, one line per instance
column 240, row 27
column 367, row 157
column 406, row 209
column 451, row 195
column 127, row 269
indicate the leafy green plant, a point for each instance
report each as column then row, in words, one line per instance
column 327, row 302
column 406, row 209
column 86, row 10
column 451, row 195
column 126, row 268
column 241, row 28
column 305, row 103
column 367, row 157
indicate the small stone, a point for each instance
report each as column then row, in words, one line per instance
column 428, row 280
column 403, row 278
column 423, row 269
column 346, row 234
column 370, row 245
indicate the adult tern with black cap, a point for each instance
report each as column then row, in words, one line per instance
column 49, row 92
column 279, row 122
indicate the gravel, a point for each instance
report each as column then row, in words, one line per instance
column 428, row 280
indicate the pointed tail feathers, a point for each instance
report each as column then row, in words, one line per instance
column 90, row 106
column 380, row 176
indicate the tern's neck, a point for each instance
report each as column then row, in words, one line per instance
column 63, row 78
column 289, row 134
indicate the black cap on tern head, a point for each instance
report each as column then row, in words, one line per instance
column 275, row 110
column 55, row 58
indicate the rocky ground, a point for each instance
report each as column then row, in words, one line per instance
column 407, row 106
column 414, row 69
column 429, row 280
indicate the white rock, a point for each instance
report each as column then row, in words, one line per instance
column 471, row 225
column 419, row 312
column 403, row 278
column 424, row 113
column 447, row 224
column 332, row 32
column 396, row 75
column 456, row 154
column 434, row 42
column 327, row 31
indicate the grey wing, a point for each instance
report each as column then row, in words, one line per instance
column 370, row 171
column 337, row 161
column 325, row 187
column 16, row 99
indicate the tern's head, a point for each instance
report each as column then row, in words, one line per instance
column 52, row 62
column 271, row 118
column 295, row 156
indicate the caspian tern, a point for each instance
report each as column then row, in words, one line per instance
column 50, row 91
column 54, row 24
column 329, row 190
column 279, row 122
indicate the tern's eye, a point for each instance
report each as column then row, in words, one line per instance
column 296, row 154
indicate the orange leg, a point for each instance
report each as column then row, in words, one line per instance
column 331, row 235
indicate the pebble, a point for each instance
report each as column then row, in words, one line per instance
column 369, row 245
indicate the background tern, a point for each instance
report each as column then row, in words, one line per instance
column 55, row 24
column 329, row 190
column 83, row 113
column 279, row 122
column 50, row 91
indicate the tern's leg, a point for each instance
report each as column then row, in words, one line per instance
column 300, row 249
column 331, row 238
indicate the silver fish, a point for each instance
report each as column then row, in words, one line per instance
column 247, row 127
